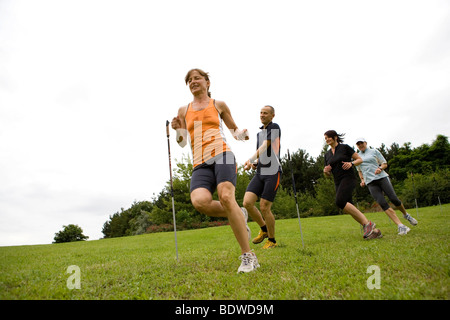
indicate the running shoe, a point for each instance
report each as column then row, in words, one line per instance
column 402, row 230
column 368, row 229
column 269, row 245
column 410, row 219
column 249, row 262
column 245, row 213
column 376, row 233
column 261, row 236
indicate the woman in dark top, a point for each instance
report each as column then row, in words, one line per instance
column 339, row 161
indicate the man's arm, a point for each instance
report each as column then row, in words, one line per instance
column 252, row 159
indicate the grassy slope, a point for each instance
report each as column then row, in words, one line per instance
column 333, row 264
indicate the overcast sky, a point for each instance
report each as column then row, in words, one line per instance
column 86, row 88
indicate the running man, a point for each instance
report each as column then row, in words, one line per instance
column 214, row 163
column 267, row 179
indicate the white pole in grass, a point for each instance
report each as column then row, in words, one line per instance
column 434, row 192
column 171, row 189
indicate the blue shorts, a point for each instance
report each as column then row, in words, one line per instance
column 209, row 175
column 265, row 186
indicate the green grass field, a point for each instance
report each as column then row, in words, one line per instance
column 333, row 264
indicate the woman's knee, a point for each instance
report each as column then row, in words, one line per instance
column 227, row 199
column 226, row 192
column 200, row 204
column 201, row 200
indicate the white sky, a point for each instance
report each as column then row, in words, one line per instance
column 86, row 88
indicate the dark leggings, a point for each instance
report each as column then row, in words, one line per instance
column 344, row 190
column 376, row 189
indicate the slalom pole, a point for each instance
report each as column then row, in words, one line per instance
column 171, row 188
column 295, row 195
column 415, row 198
column 434, row 191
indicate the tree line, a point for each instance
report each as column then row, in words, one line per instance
column 420, row 174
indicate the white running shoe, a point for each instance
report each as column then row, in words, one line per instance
column 410, row 219
column 245, row 213
column 249, row 262
column 402, row 229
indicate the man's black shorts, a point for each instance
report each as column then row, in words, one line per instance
column 265, row 186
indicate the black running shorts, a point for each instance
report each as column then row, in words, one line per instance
column 220, row 169
column 265, row 186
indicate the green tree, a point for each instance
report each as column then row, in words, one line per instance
column 140, row 224
column 71, row 232
column 284, row 204
column 424, row 159
column 426, row 188
column 390, row 152
column 305, row 169
column 128, row 222
column 118, row 224
column 242, row 181
column 439, row 153
column 325, row 196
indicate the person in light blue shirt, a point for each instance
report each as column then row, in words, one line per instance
column 372, row 174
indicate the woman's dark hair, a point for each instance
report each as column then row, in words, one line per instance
column 202, row 73
column 333, row 134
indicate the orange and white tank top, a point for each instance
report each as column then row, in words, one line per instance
column 206, row 133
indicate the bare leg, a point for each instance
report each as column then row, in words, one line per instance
column 355, row 213
column 266, row 206
column 249, row 203
column 402, row 209
column 226, row 191
column 391, row 214
column 202, row 200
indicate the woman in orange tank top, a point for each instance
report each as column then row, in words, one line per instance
column 205, row 132
column 214, row 165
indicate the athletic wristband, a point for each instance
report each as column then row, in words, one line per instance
column 239, row 135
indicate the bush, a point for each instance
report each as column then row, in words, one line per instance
column 325, row 196
column 284, row 205
column 70, row 233
column 140, row 223
column 185, row 226
column 426, row 188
